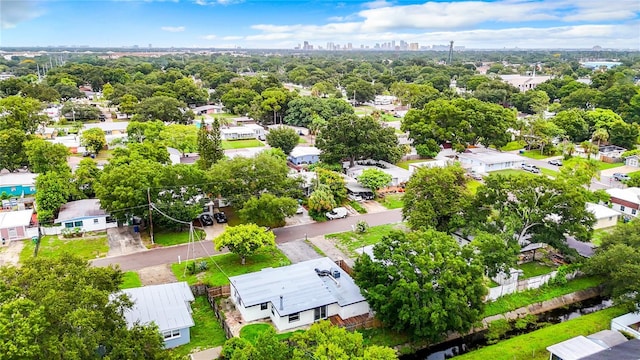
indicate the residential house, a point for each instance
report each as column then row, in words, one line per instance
column 384, row 100
column 18, row 184
column 304, row 155
column 526, row 82
column 581, row 347
column 482, row 161
column 174, row 155
column 308, row 180
column 237, row 133
column 627, row 200
column 428, row 163
column 258, row 130
column 610, row 153
column 112, row 130
column 47, row 133
column 208, row 109
column 399, row 175
column 299, row 129
column 633, row 160
column 85, row 214
column 355, row 190
column 629, row 323
column 166, row 305
column 14, row 225
column 605, row 216
column 72, row 142
column 297, row 295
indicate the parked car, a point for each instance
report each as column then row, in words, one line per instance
column 355, row 197
column 102, row 117
column 299, row 210
column 620, row 177
column 220, row 217
column 555, row 162
column 337, row 213
column 476, row 176
column 530, row 168
column 206, row 219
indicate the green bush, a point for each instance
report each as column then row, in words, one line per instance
column 362, row 227
column 357, row 207
column 497, row 329
column 202, row 266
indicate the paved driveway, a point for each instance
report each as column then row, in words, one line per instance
column 298, row 251
column 123, row 240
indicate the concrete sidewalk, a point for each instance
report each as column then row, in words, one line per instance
column 209, row 354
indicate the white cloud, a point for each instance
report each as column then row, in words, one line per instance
column 14, row 12
column 376, row 4
column 231, row 38
column 218, row 2
column 173, row 28
column 210, row 37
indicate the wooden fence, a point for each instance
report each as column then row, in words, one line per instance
column 344, row 266
column 212, row 298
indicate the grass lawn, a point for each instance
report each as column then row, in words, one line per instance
column 131, row 280
column 175, row 238
column 473, row 185
column 534, row 154
column 251, row 332
column 533, row 345
column 405, row 164
column 206, row 333
column 534, row 268
column 513, row 145
column 351, row 241
column 241, row 144
column 231, row 265
column 634, row 174
column 357, row 207
column 383, row 337
column 549, row 172
column 302, row 140
column 599, row 164
column 392, row 201
column 509, row 172
column 104, row 155
column 598, row 234
column 513, row 301
column 52, row 246
column 363, row 110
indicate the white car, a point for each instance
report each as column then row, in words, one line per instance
column 337, row 213
column 299, row 210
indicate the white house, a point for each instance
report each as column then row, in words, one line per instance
column 298, row 294
column 14, row 225
column 582, row 347
column 605, row 216
column 486, row 160
column 524, row 83
column 398, row 175
column 627, row 201
column 208, row 109
column 257, row 129
column 85, row 214
column 629, row 323
column 237, row 133
column 174, row 155
column 304, row 155
column 633, row 160
column 430, row 164
column 166, row 305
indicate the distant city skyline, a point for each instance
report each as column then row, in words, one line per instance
column 263, row 24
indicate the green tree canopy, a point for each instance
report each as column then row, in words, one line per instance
column 321, row 199
column 283, row 138
column 93, row 139
column 436, row 197
column 44, row 156
column 349, row 137
column 617, row 260
column 184, row 138
column 374, row 179
column 17, row 112
column 144, row 131
column 245, row 239
column 209, row 144
column 12, row 153
column 422, row 283
column 268, row 210
column 62, row 308
column 163, row 108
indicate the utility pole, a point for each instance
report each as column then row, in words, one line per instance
column 450, row 51
column 150, row 217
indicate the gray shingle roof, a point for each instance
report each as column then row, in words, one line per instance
column 300, row 286
column 79, row 209
column 166, row 305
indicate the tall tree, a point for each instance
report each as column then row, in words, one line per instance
column 62, row 308
column 122, row 186
column 44, row 156
column 163, row 108
column 283, row 138
column 93, row 139
column 244, row 240
column 374, row 179
column 321, row 199
column 144, row 131
column 268, row 210
column 422, row 283
column 12, row 153
column 17, row 112
column 52, row 191
column 85, row 177
column 209, row 144
column 335, row 181
column 617, row 260
column 436, row 197
column 181, row 137
column 589, row 148
column 573, row 124
column 498, row 253
column 349, row 137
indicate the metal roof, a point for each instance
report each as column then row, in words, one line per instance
column 80, row 209
column 166, row 305
column 629, row 350
column 11, row 219
column 304, row 151
column 491, row 157
column 575, row 348
column 601, row 211
column 631, row 194
column 299, row 285
column 18, row 178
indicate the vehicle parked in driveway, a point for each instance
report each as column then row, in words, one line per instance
column 206, row 219
column 620, row 177
column 530, row 168
column 337, row 213
column 555, row 162
column 299, row 210
column 220, row 217
column 475, row 176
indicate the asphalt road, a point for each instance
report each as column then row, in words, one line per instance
column 169, row 255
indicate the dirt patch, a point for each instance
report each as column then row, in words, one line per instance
column 622, row 169
column 329, row 248
column 155, row 275
column 10, row 253
column 373, row 206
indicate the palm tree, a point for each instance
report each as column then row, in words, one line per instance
column 568, row 148
column 600, row 135
column 589, row 148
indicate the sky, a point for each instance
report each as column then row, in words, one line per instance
column 284, row 24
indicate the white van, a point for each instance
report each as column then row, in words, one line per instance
column 337, row 213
